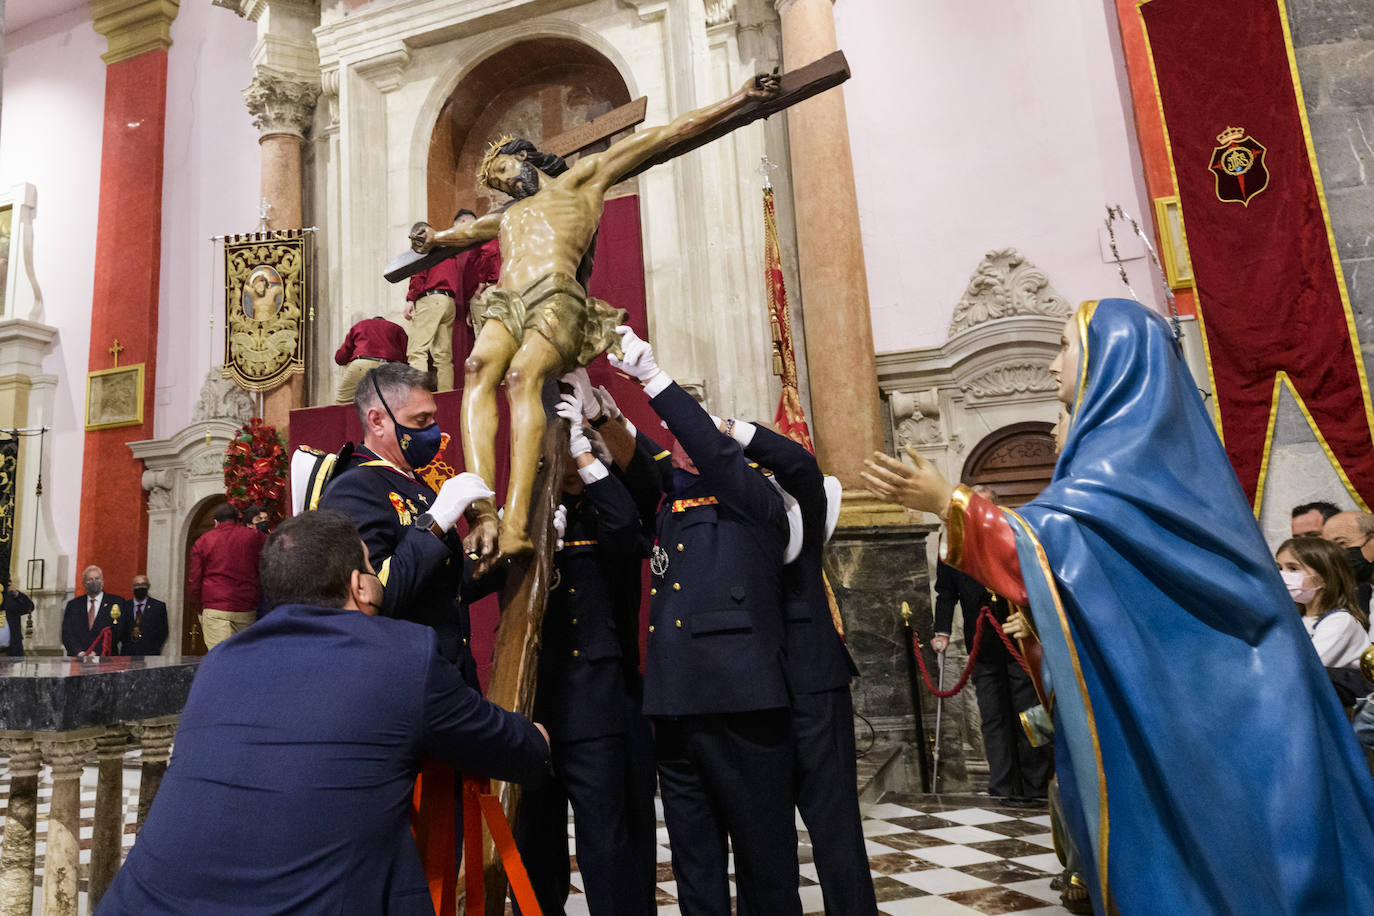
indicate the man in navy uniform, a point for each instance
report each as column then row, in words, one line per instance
column 310, row 783
column 818, row 669
column 715, row 677
column 407, row 527
column 86, row 617
column 584, row 701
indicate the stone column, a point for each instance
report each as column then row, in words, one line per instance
column 282, row 107
column 107, row 838
column 155, row 739
column 21, row 821
column 65, row 753
column 839, row 333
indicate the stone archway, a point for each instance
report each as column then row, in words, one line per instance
column 536, row 88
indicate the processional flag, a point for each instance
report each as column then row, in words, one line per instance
column 1271, row 296
column 9, row 480
column 268, row 302
column 790, row 418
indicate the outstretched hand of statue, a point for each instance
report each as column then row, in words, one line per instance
column 920, row 486
column 762, row 86
column 422, row 237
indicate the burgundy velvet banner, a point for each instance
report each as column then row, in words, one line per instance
column 1269, row 288
column 617, row 277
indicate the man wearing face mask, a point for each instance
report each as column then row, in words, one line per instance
column 408, row 528
column 1355, row 532
column 259, row 518
column 144, row 627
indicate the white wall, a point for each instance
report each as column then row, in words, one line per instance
column 54, row 98
column 978, row 125
column 210, row 186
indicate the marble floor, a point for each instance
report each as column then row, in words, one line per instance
column 930, row 855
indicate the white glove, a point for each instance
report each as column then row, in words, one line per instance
column 560, row 525
column 639, row 356
column 608, row 405
column 455, row 496
column 569, row 409
column 586, row 396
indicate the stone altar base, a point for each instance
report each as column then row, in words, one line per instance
column 872, row 570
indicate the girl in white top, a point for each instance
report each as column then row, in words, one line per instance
column 1318, row 576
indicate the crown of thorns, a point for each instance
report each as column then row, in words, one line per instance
column 493, row 151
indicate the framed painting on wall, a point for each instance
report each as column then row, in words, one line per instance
column 114, row 397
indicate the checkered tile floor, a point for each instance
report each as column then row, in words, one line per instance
column 929, row 855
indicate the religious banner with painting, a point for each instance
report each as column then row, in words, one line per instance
column 9, row 478
column 268, row 300
column 1270, row 292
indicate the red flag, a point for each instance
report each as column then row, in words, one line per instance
column 790, row 418
column 1269, row 284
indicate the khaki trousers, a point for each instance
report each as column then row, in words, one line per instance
column 353, row 374
column 217, row 626
column 431, row 337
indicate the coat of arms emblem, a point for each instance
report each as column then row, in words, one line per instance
column 1238, row 166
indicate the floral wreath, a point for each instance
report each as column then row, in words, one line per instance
column 255, row 468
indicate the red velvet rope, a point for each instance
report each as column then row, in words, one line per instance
column 984, row 615
column 105, row 641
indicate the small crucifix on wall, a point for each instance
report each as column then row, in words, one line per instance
column 114, row 350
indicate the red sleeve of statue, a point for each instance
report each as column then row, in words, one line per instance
column 979, row 541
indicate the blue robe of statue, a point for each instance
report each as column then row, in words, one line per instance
column 1205, row 763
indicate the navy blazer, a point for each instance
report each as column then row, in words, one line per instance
column 15, row 606
column 582, row 686
column 77, row 635
column 299, row 744
column 716, row 625
column 152, row 629
column 816, row 656
column 422, row 576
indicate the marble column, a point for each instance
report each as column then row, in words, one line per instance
column 841, row 365
column 282, row 108
column 107, row 838
column 155, row 741
column 65, row 753
column 21, row 821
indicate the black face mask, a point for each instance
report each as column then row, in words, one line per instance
column 261, row 526
column 140, row 593
column 1362, row 567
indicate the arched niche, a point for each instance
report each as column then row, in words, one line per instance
column 535, row 88
column 1017, row 461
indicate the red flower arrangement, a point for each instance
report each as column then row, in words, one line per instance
column 255, row 469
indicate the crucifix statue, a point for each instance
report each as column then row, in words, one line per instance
column 538, row 322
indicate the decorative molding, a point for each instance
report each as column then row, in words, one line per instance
column 648, row 10
column 1006, row 284
column 134, row 27
column 1009, row 379
column 280, row 105
column 386, row 71
column 329, row 92
column 220, row 398
column 719, row 12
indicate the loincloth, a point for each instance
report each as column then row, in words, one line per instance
column 579, row 327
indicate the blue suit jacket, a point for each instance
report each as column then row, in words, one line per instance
column 290, row 786
column 816, row 656
column 716, row 627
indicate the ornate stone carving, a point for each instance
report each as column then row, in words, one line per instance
column 387, row 70
column 919, row 431
column 220, row 397
column 329, row 90
column 1021, row 451
column 719, row 12
column 1017, row 378
column 207, row 463
column 1005, row 284
column 280, row 105
column 917, row 414
column 159, row 484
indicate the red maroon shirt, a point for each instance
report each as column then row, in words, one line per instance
column 442, row 277
column 482, row 265
column 375, row 337
column 224, row 568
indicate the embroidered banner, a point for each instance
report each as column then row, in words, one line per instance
column 790, row 419
column 1270, row 292
column 268, row 299
column 9, row 479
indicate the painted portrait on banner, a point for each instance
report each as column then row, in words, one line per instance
column 268, row 288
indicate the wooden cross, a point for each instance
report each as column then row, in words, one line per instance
column 793, row 86
column 114, row 351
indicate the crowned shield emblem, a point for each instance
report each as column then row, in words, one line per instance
column 1238, row 166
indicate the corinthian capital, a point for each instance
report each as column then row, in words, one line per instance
column 279, row 104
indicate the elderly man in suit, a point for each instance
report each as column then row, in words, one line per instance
column 145, row 626
column 307, row 788
column 86, row 617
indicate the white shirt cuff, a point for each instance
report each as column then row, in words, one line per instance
column 743, row 432
column 658, row 384
column 593, row 472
